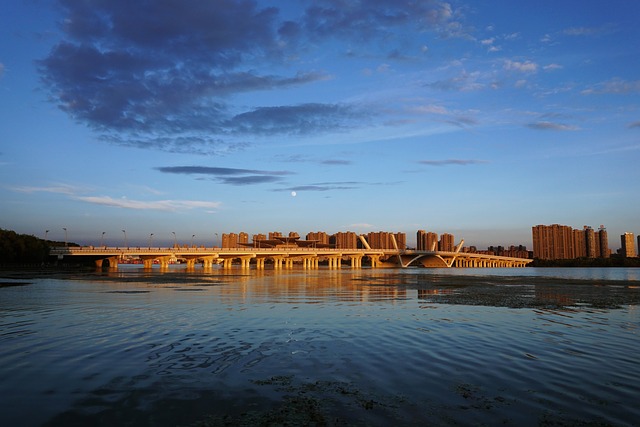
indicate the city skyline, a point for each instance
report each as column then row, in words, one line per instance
column 213, row 117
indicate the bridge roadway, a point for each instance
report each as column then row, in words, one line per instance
column 308, row 257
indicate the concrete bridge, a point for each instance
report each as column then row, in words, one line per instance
column 284, row 257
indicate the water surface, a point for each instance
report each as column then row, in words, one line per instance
column 325, row 347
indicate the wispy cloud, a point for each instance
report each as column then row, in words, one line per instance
column 614, row 86
column 521, row 66
column 56, row 189
column 229, row 176
column 217, row 171
column 159, row 205
column 544, row 125
column 458, row 162
column 634, row 125
column 78, row 193
column 336, row 162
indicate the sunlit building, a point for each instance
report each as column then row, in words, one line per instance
column 603, row 241
column 553, row 242
column 426, row 241
column 344, row 240
column 628, row 245
column 447, row 243
column 318, row 236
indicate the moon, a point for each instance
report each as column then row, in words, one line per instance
column 294, row 194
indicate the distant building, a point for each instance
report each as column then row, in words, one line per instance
column 553, row 242
column 563, row 242
column 318, row 236
column 344, row 240
column 383, row 240
column 628, row 245
column 447, row 243
column 603, row 240
column 233, row 240
column 426, row 241
column 591, row 243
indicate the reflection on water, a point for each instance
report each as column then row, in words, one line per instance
column 323, row 347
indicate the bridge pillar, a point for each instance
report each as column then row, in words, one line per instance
column 147, row 263
column 375, row 260
column 113, row 262
column 207, row 262
column 356, row 261
column 227, row 263
column 277, row 262
column 98, row 263
column 334, row 262
column 245, row 262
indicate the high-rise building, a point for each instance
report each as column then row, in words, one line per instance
column 426, row 241
column 628, row 245
column 274, row 234
column 319, row 236
column 579, row 244
column 383, row 240
column 591, row 242
column 604, row 243
column 447, row 243
column 553, row 242
column 344, row 240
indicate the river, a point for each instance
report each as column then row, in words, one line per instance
column 522, row 347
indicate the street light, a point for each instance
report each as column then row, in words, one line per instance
column 150, row 240
column 45, row 234
column 126, row 245
column 192, row 236
column 65, row 237
column 175, row 239
column 102, row 239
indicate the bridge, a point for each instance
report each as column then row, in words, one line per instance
column 286, row 254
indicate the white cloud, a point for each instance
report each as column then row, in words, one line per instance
column 431, row 109
column 57, row 189
column 552, row 67
column 614, row 86
column 1, row 69
column 524, row 67
column 159, row 205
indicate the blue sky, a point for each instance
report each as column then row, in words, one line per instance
column 477, row 118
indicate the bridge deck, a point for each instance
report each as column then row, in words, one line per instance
column 308, row 255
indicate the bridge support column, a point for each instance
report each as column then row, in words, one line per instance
column 113, row 262
column 98, row 263
column 227, row 263
column 207, row 262
column 277, row 262
column 334, row 262
column 245, row 262
column 356, row 261
column 375, row 260
column 147, row 263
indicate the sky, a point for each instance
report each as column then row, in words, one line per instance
column 476, row 118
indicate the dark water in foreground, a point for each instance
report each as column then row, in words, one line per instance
column 369, row 347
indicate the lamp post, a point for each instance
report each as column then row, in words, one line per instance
column 102, row 239
column 65, row 237
column 126, row 245
column 150, row 240
column 175, row 239
column 45, row 234
column 192, row 236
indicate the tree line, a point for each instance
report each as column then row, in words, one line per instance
column 24, row 248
